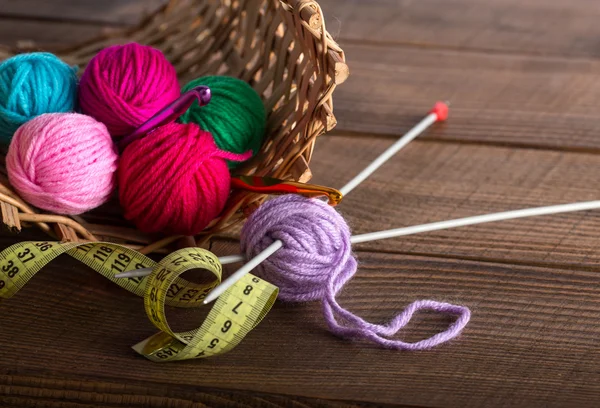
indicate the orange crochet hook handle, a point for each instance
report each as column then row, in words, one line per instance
column 270, row 185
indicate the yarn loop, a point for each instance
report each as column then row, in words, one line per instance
column 316, row 262
column 31, row 85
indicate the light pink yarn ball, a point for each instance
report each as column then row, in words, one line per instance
column 63, row 162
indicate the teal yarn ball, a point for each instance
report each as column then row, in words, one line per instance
column 235, row 116
column 31, row 85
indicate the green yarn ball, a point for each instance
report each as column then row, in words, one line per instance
column 235, row 116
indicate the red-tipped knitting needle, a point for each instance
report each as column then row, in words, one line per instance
column 439, row 113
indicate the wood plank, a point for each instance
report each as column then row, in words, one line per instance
column 107, row 11
column 496, row 99
column 32, row 23
column 504, row 25
column 27, row 391
column 524, row 26
column 432, row 181
column 44, row 34
column 532, row 340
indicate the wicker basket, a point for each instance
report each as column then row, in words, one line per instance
column 280, row 47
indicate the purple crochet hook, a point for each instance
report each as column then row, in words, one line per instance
column 170, row 113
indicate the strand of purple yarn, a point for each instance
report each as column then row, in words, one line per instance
column 315, row 263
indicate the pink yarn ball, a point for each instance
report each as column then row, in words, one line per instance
column 174, row 180
column 63, row 162
column 125, row 85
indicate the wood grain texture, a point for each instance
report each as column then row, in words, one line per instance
column 27, row 391
column 538, row 27
column 432, row 181
column 27, row 33
column 34, row 24
column 510, row 100
column 533, row 328
column 123, row 12
column 523, row 132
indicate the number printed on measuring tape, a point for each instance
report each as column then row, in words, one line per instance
column 234, row 314
column 224, row 327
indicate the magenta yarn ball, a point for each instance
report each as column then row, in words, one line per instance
column 63, row 162
column 125, row 85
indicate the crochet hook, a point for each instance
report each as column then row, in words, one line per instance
column 170, row 113
column 270, row 185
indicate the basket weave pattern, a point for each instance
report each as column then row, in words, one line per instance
column 280, row 47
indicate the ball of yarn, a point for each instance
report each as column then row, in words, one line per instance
column 316, row 261
column 31, row 85
column 316, row 243
column 235, row 115
column 63, row 162
column 125, row 85
column 174, row 180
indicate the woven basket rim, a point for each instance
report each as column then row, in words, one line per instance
column 328, row 58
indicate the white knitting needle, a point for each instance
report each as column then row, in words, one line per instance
column 398, row 232
column 463, row 222
column 478, row 219
column 438, row 113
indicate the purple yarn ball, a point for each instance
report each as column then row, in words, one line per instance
column 316, row 244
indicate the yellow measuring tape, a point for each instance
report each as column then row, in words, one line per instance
column 235, row 313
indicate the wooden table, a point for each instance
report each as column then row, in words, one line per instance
column 523, row 78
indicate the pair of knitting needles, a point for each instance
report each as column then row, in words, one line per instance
column 439, row 113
